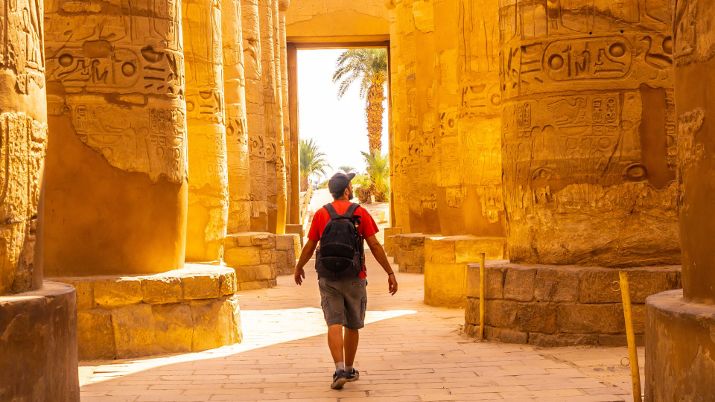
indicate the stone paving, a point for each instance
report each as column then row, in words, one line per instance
column 408, row 352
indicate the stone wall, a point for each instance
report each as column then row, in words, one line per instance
column 336, row 20
column 259, row 258
column 548, row 305
column 180, row 311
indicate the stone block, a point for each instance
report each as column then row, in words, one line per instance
column 285, row 242
column 95, row 334
column 285, row 262
column 228, row 285
column 201, row 286
column 267, row 257
column 173, row 327
column 84, row 290
column 505, row 335
column 519, row 284
column 159, row 289
column 647, row 282
column 599, row 286
column 468, row 249
column 444, row 284
column 264, row 240
column 471, row 311
column 501, row 313
column 38, row 345
column 556, row 285
column 590, row 318
column 242, row 256
column 255, row 273
column 562, row 339
column 439, row 250
column 494, row 281
column 134, row 331
column 117, row 291
column 214, row 324
column 238, row 240
column 536, row 317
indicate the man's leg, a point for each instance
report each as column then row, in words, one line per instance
column 335, row 342
column 352, row 337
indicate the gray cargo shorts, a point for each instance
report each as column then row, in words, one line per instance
column 344, row 301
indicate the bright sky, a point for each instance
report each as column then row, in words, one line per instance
column 338, row 126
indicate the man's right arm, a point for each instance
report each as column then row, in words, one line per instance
column 305, row 256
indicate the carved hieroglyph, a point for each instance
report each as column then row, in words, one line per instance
column 23, row 138
column 255, row 112
column 239, row 180
column 208, row 170
column 268, row 54
column 589, row 132
column 115, row 196
column 695, row 94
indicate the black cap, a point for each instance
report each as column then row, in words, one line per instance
column 339, row 182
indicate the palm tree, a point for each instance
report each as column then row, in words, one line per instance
column 378, row 170
column 312, row 162
column 370, row 67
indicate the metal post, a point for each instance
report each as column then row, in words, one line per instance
column 630, row 337
column 482, row 293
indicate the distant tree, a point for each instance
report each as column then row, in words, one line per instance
column 378, row 171
column 369, row 66
column 312, row 162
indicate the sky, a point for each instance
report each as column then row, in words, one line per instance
column 338, row 126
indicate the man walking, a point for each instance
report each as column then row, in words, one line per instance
column 340, row 228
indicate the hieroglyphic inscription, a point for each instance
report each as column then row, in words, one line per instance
column 22, row 151
column 572, row 123
column 119, row 75
column 21, row 42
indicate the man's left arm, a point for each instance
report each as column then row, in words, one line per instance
column 381, row 258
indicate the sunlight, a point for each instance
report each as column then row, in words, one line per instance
column 262, row 328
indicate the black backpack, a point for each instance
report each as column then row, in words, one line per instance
column 341, row 247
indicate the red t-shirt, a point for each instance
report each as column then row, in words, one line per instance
column 367, row 227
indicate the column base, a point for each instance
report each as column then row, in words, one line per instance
column 680, row 349
column 259, row 257
column 409, row 252
column 180, row 311
column 561, row 305
column 38, row 345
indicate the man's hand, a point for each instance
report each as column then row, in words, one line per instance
column 299, row 275
column 392, row 284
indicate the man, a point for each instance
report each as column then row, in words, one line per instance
column 344, row 301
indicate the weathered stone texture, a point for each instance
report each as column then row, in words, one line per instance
column 390, row 247
column 589, row 133
column 258, row 258
column 208, row 168
column 446, row 260
column 153, row 314
column 239, row 179
column 561, row 305
column 38, row 345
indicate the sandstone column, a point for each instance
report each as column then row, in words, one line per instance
column 281, row 116
column 38, row 338
column 589, row 133
column 239, row 179
column 680, row 341
column 292, row 192
column 270, row 104
column 255, row 113
column 208, row 192
column 116, row 166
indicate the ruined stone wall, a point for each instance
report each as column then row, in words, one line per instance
column 23, row 140
column 239, row 179
column 589, row 147
column 208, row 169
column 116, row 181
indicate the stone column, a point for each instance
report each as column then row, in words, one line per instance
column 270, row 107
column 38, row 338
column 239, row 179
column 680, row 340
column 255, row 113
column 116, row 193
column 208, row 192
column 284, row 176
column 589, row 133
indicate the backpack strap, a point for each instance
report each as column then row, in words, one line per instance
column 351, row 211
column 331, row 210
